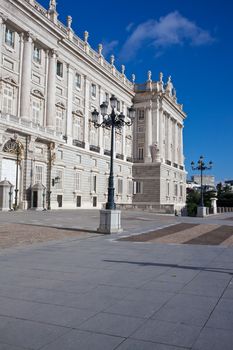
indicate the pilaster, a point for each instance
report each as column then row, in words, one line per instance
column 161, row 133
column 69, row 104
column 148, row 135
column 51, row 88
column 2, row 21
column 26, row 77
column 86, row 111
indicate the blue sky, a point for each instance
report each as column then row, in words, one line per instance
column 191, row 40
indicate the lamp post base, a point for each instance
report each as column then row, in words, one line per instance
column 110, row 221
column 201, row 212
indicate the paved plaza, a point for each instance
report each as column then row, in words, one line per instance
column 65, row 287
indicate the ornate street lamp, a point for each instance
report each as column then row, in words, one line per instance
column 201, row 166
column 112, row 120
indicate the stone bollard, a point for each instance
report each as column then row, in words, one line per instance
column 5, row 189
column 214, row 204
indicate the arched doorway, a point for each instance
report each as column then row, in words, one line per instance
column 11, row 166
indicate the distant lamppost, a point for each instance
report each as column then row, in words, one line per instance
column 17, row 150
column 112, row 120
column 201, row 166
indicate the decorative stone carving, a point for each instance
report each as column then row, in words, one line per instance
column 86, row 36
column 112, row 60
column 154, row 152
column 100, row 49
column 14, row 146
column 69, row 22
column 149, row 74
column 169, row 86
column 37, row 93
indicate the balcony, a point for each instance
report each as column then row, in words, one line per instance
column 107, row 152
column 94, row 148
column 120, row 156
column 79, row 143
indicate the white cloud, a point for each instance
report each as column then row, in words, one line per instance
column 173, row 29
column 108, row 47
column 129, row 27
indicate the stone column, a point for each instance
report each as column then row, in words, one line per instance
column 2, row 20
column 124, row 111
column 161, row 133
column 181, row 146
column 51, row 91
column 86, row 111
column 148, row 135
column 69, row 120
column 168, row 139
column 26, row 77
column 175, row 142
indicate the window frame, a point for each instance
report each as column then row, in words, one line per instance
column 11, row 42
column 59, row 70
column 37, row 57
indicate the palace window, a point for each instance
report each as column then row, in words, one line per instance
column 93, row 90
column 107, row 142
column 175, row 190
column 141, row 114
column 77, row 129
column 78, row 159
column 106, row 97
column 9, row 37
column 118, row 146
column 120, row 186
column 168, row 189
column 181, row 191
column 138, row 187
column 36, row 110
column 94, row 183
column 93, row 137
column 78, row 181
column 59, row 154
column 7, row 99
column 140, row 153
column 129, row 187
column 78, row 80
column 59, row 119
column 37, row 54
column 59, row 184
column 59, row 69
column 118, row 106
column 39, row 174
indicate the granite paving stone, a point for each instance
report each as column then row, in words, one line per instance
column 167, row 333
column 28, row 334
column 214, row 339
column 84, row 340
column 96, row 292
column 112, row 324
column 133, row 344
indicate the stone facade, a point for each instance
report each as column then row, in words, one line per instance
column 50, row 82
column 159, row 173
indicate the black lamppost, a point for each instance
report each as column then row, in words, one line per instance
column 112, row 120
column 17, row 149
column 201, row 166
